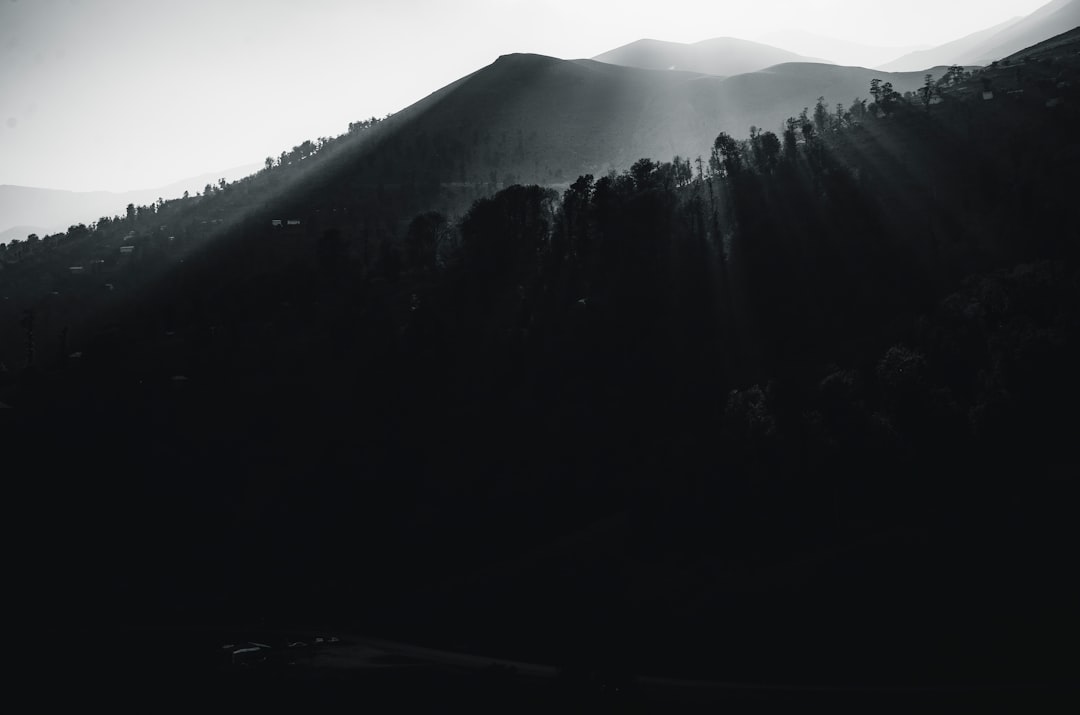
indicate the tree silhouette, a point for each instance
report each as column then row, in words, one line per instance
column 422, row 239
column 822, row 118
column 726, row 158
column 927, row 90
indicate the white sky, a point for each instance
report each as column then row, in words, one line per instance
column 131, row 94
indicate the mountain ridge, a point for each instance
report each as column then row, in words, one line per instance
column 721, row 56
column 998, row 41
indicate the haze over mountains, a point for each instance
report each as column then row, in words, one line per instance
column 994, row 43
column 719, row 56
column 836, row 51
column 25, row 210
column 727, row 56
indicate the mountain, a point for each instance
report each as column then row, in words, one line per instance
column 948, row 53
column 841, row 52
column 51, row 210
column 719, row 56
column 994, row 43
column 1046, row 22
column 536, row 119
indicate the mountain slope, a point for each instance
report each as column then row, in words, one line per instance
column 719, row 56
column 55, row 210
column 994, row 43
column 949, row 52
column 538, row 119
column 1047, row 22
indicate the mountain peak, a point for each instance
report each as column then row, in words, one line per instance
column 722, row 56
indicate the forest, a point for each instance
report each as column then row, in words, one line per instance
column 806, row 396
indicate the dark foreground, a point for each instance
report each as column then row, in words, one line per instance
column 160, row 669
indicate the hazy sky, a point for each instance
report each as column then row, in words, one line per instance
column 128, row 94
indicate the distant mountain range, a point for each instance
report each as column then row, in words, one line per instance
column 841, row 52
column 25, row 209
column 994, row 43
column 727, row 56
column 721, row 56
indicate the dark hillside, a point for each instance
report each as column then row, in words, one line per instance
column 800, row 413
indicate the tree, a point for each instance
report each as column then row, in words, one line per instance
column 575, row 212
column 857, row 108
column 765, row 147
column 502, row 236
column 805, row 124
column 821, row 116
column 269, row 163
column 726, row 156
column 27, row 324
column 683, row 173
column 875, row 89
column 889, row 97
column 791, row 144
column 927, row 90
column 422, row 239
column 131, row 213
column 643, row 173
column 770, row 150
column 954, row 75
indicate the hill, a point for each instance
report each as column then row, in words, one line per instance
column 718, row 56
